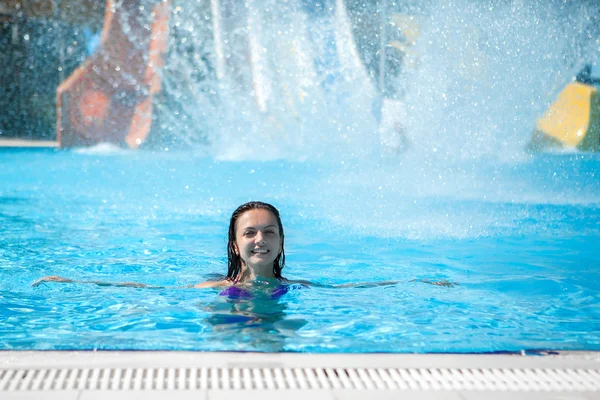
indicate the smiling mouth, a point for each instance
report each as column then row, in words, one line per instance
column 260, row 251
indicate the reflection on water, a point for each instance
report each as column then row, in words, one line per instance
column 254, row 317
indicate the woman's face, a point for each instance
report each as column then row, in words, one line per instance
column 258, row 240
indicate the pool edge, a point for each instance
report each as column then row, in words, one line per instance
column 27, row 143
column 60, row 358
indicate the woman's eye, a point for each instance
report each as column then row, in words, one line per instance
column 249, row 233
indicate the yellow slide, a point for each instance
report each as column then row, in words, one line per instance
column 573, row 121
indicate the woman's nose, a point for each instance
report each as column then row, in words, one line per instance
column 259, row 238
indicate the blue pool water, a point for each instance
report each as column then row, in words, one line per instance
column 519, row 237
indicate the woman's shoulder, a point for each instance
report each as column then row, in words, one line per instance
column 212, row 284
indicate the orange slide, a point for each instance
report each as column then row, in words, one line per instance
column 109, row 98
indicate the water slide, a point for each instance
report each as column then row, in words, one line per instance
column 110, row 97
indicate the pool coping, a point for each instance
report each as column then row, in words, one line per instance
column 87, row 358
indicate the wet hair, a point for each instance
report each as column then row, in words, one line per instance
column 234, row 261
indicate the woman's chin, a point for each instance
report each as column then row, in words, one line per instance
column 261, row 260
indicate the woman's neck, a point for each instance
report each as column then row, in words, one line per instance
column 249, row 273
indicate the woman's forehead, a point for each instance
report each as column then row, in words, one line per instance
column 257, row 218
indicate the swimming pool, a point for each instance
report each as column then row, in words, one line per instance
column 518, row 236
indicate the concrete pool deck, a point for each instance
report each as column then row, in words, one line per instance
column 116, row 375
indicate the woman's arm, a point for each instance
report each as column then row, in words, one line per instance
column 55, row 278
column 212, row 284
column 344, row 285
column 366, row 284
column 60, row 279
column 443, row 283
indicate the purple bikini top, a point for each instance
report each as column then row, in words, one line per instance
column 234, row 292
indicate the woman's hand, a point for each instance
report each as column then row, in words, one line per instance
column 53, row 278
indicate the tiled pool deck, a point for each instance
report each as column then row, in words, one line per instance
column 197, row 375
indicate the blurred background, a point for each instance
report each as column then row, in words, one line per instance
column 42, row 42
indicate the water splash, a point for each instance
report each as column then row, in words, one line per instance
column 487, row 72
column 266, row 79
column 283, row 81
